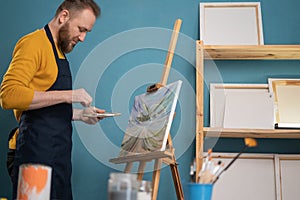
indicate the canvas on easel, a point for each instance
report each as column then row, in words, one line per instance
column 150, row 120
column 152, row 116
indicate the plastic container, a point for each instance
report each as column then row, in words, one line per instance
column 145, row 190
column 122, row 186
column 195, row 191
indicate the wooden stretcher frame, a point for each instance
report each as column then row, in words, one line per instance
column 231, row 23
column 292, row 98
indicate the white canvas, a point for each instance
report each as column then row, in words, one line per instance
column 241, row 106
column 237, row 23
column 150, row 120
column 286, row 101
column 249, row 111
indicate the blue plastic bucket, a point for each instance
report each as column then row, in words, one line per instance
column 195, row 191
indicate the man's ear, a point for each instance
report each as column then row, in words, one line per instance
column 63, row 16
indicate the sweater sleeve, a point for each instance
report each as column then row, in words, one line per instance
column 16, row 92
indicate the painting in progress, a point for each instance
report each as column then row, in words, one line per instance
column 150, row 120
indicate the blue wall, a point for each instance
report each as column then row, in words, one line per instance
column 128, row 45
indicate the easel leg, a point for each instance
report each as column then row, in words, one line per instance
column 175, row 172
column 177, row 182
column 128, row 167
column 141, row 170
column 155, row 178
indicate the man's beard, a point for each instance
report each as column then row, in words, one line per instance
column 64, row 39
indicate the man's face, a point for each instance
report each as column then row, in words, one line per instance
column 65, row 40
column 75, row 29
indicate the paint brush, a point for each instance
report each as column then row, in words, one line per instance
column 249, row 142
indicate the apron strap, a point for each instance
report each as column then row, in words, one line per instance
column 49, row 35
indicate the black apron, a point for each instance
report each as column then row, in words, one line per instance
column 45, row 135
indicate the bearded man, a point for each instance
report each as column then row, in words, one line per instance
column 38, row 87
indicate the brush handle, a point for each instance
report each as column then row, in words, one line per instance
column 231, row 162
column 236, row 157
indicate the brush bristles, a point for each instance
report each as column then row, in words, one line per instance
column 250, row 142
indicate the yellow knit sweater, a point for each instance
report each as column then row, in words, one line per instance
column 33, row 68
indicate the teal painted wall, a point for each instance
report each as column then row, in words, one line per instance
column 123, row 54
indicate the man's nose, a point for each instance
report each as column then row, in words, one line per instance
column 82, row 37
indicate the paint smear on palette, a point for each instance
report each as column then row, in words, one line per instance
column 34, row 182
column 150, row 120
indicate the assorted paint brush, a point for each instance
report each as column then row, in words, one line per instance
column 211, row 170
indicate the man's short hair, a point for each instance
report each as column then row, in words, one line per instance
column 74, row 6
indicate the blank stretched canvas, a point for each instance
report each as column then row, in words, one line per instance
column 286, row 101
column 249, row 111
column 150, row 120
column 241, row 106
column 237, row 23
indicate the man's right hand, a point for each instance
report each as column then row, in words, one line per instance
column 81, row 96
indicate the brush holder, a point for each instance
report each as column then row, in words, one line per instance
column 195, row 191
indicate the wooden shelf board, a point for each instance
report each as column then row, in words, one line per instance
column 252, row 52
column 255, row 133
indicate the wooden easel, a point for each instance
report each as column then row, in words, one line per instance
column 167, row 156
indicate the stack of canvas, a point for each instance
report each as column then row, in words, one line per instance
column 258, row 106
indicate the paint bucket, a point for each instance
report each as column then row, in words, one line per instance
column 34, row 182
column 195, row 191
